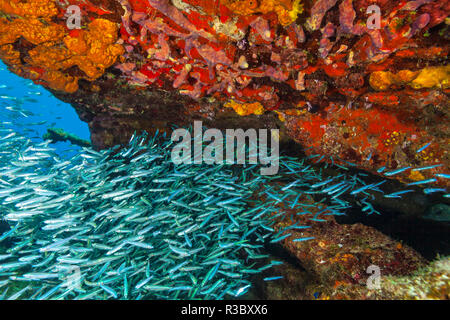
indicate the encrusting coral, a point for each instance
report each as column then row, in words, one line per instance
column 245, row 109
column 286, row 10
column 30, row 8
column 53, row 49
column 430, row 77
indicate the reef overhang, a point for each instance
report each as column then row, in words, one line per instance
column 319, row 70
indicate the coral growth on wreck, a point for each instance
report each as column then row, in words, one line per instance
column 359, row 95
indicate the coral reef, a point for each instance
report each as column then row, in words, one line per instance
column 347, row 94
column 426, row 283
column 351, row 92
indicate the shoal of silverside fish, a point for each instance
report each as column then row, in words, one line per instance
column 129, row 224
column 125, row 224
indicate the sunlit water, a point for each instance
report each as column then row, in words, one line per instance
column 30, row 109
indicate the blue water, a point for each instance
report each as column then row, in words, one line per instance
column 37, row 105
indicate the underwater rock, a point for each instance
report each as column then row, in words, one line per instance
column 430, row 282
column 341, row 253
column 339, row 263
column 439, row 212
column 427, row 283
column 297, row 284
